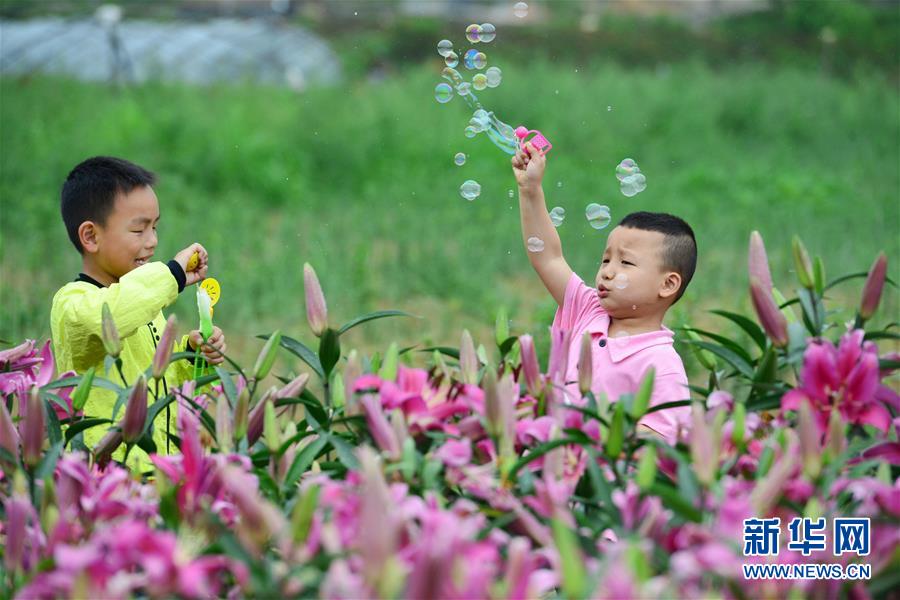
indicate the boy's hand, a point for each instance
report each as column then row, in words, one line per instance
column 214, row 348
column 199, row 272
column 528, row 166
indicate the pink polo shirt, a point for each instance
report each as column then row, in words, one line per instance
column 620, row 363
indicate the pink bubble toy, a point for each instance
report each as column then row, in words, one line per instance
column 538, row 140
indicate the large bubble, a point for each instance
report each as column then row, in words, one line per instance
column 479, row 81
column 557, row 215
column 520, row 10
column 473, row 33
column 625, row 168
column 464, row 88
column 535, row 244
column 470, row 189
column 469, row 58
column 620, row 281
column 443, row 93
column 631, row 180
column 479, row 61
column 488, row 33
column 494, row 76
column 445, row 47
column 597, row 215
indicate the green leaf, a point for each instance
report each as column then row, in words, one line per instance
column 728, row 343
column 82, row 425
column 537, row 452
column 381, row 314
column 507, row 345
column 574, row 577
column 501, row 328
column 388, row 371
column 301, row 351
column 54, row 430
column 312, row 404
column 48, row 463
column 673, row 500
column 227, row 385
column 665, row 405
column 344, row 452
column 735, row 360
column 752, row 329
column 882, row 335
column 860, row 275
column 445, row 350
column 303, row 460
column 147, row 444
column 642, row 398
column 616, row 436
column 329, row 350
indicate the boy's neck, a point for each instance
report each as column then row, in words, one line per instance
column 92, row 270
column 635, row 325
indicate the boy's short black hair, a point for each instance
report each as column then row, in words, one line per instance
column 89, row 191
column 680, row 252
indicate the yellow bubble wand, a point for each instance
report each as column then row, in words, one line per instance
column 208, row 293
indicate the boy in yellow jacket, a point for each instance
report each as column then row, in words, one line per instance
column 111, row 214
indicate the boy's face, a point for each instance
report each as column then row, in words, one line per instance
column 631, row 278
column 127, row 239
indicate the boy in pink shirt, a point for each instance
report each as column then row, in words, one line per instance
column 647, row 264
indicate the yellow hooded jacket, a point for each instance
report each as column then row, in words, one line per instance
column 136, row 304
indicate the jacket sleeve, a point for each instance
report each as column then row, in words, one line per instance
column 134, row 301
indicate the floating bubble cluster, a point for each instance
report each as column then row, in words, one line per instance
column 459, row 159
column 520, row 10
column 631, row 180
column 597, row 215
column 620, row 281
column 557, row 215
column 443, row 93
column 535, row 244
column 470, row 189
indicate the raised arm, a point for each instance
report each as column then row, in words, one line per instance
column 549, row 263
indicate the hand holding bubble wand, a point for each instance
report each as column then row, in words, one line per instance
column 208, row 293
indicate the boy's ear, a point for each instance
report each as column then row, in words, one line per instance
column 87, row 235
column 670, row 285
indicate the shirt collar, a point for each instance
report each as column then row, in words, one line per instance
column 88, row 279
column 621, row 348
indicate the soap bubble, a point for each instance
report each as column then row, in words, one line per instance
column 469, row 58
column 473, row 33
column 443, row 93
column 464, row 88
column 535, row 244
column 471, row 132
column 597, row 215
column 470, row 189
column 445, row 47
column 633, row 185
column 620, row 281
column 557, row 215
column 625, row 168
column 520, row 10
column 488, row 33
column 479, row 61
column 510, row 193
column 459, row 159
column 494, row 76
column 609, row 109
column 479, row 81
column 621, row 334
column 452, row 59
column 559, row 184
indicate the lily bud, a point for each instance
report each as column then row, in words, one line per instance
column 810, row 446
column 241, row 415
column 267, row 356
column 316, row 310
column 9, row 437
column 837, row 435
column 390, row 364
column 530, row 368
column 33, row 432
column 223, row 426
column 642, row 398
column 135, row 412
column 379, row 427
column 704, row 447
column 257, row 418
column 105, row 447
column 18, row 509
column 271, row 431
column 293, row 388
column 787, row 311
column 705, row 357
column 871, row 295
column 302, row 514
column 819, row 275
column 758, row 262
column 501, row 326
column 164, row 349
column 771, row 319
column 646, row 472
column 585, row 365
column 739, row 417
column 802, row 264
column 109, row 334
column 352, row 372
column 468, row 359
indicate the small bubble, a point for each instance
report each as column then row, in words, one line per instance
column 556, row 92
column 633, row 185
column 510, row 193
column 479, row 61
column 559, row 184
column 609, row 109
column 469, row 58
column 471, row 132
column 494, row 76
column 464, row 88
column 520, row 10
column 470, row 189
column 443, row 93
column 557, row 215
column 445, row 47
column 473, row 33
column 620, row 281
column 634, row 307
column 459, row 159
column 452, row 59
column 488, row 32
column 597, row 215
column 625, row 168
column 479, row 81
column 535, row 244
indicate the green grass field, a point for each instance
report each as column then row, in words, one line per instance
column 359, row 181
